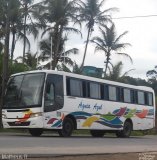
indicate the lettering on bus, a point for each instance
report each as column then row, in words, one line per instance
column 97, row 107
column 84, row 106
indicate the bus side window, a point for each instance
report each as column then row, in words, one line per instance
column 140, row 95
column 148, row 98
column 49, row 95
column 127, row 95
column 75, row 88
column 112, row 93
column 94, row 90
column 54, row 98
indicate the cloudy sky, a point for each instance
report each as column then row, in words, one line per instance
column 142, row 36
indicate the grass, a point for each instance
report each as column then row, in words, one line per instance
column 2, row 130
column 84, row 132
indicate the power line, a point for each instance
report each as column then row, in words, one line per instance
column 131, row 17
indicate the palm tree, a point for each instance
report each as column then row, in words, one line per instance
column 16, row 18
column 15, row 23
column 109, row 43
column 25, row 6
column 59, row 13
column 115, row 74
column 30, row 11
column 30, row 60
column 62, row 56
column 91, row 14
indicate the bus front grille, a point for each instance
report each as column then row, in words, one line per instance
column 19, row 123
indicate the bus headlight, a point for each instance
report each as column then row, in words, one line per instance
column 35, row 115
column 4, row 116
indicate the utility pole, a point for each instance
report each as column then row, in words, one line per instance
column 51, row 54
column 5, row 58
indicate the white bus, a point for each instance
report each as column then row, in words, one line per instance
column 53, row 100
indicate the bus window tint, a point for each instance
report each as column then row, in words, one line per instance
column 140, row 96
column 76, row 88
column 127, row 95
column 94, row 90
column 13, row 89
column 49, row 95
column 112, row 93
column 150, row 99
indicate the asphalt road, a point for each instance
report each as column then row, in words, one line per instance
column 54, row 145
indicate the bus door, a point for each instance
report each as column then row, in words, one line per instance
column 53, row 98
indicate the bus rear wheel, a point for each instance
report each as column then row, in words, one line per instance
column 126, row 132
column 35, row 132
column 97, row 133
column 67, row 128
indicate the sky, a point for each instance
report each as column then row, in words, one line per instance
column 142, row 35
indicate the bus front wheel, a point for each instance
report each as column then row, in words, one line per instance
column 35, row 132
column 97, row 133
column 126, row 132
column 67, row 128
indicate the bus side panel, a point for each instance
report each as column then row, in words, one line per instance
column 107, row 115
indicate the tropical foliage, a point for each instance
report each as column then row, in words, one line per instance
column 59, row 13
column 62, row 55
column 115, row 74
column 109, row 43
column 92, row 14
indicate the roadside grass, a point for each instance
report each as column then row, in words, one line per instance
column 82, row 132
column 3, row 130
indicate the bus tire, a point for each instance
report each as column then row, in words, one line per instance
column 67, row 128
column 126, row 132
column 97, row 133
column 35, row 132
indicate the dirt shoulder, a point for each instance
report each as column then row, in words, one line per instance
column 119, row 156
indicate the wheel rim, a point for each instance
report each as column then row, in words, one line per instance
column 127, row 129
column 68, row 128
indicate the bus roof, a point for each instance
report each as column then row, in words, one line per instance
column 74, row 75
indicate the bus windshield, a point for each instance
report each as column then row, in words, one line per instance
column 24, row 91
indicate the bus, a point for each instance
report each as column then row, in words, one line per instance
column 55, row 100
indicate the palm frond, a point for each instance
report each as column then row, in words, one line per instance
column 71, row 51
column 126, row 55
column 49, row 29
column 120, row 36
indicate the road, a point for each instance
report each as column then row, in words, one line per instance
column 52, row 144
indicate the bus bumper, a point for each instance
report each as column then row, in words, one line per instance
column 35, row 122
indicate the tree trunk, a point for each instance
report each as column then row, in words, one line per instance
column 13, row 47
column 5, row 61
column 56, row 52
column 85, row 52
column 24, row 31
column 107, row 62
